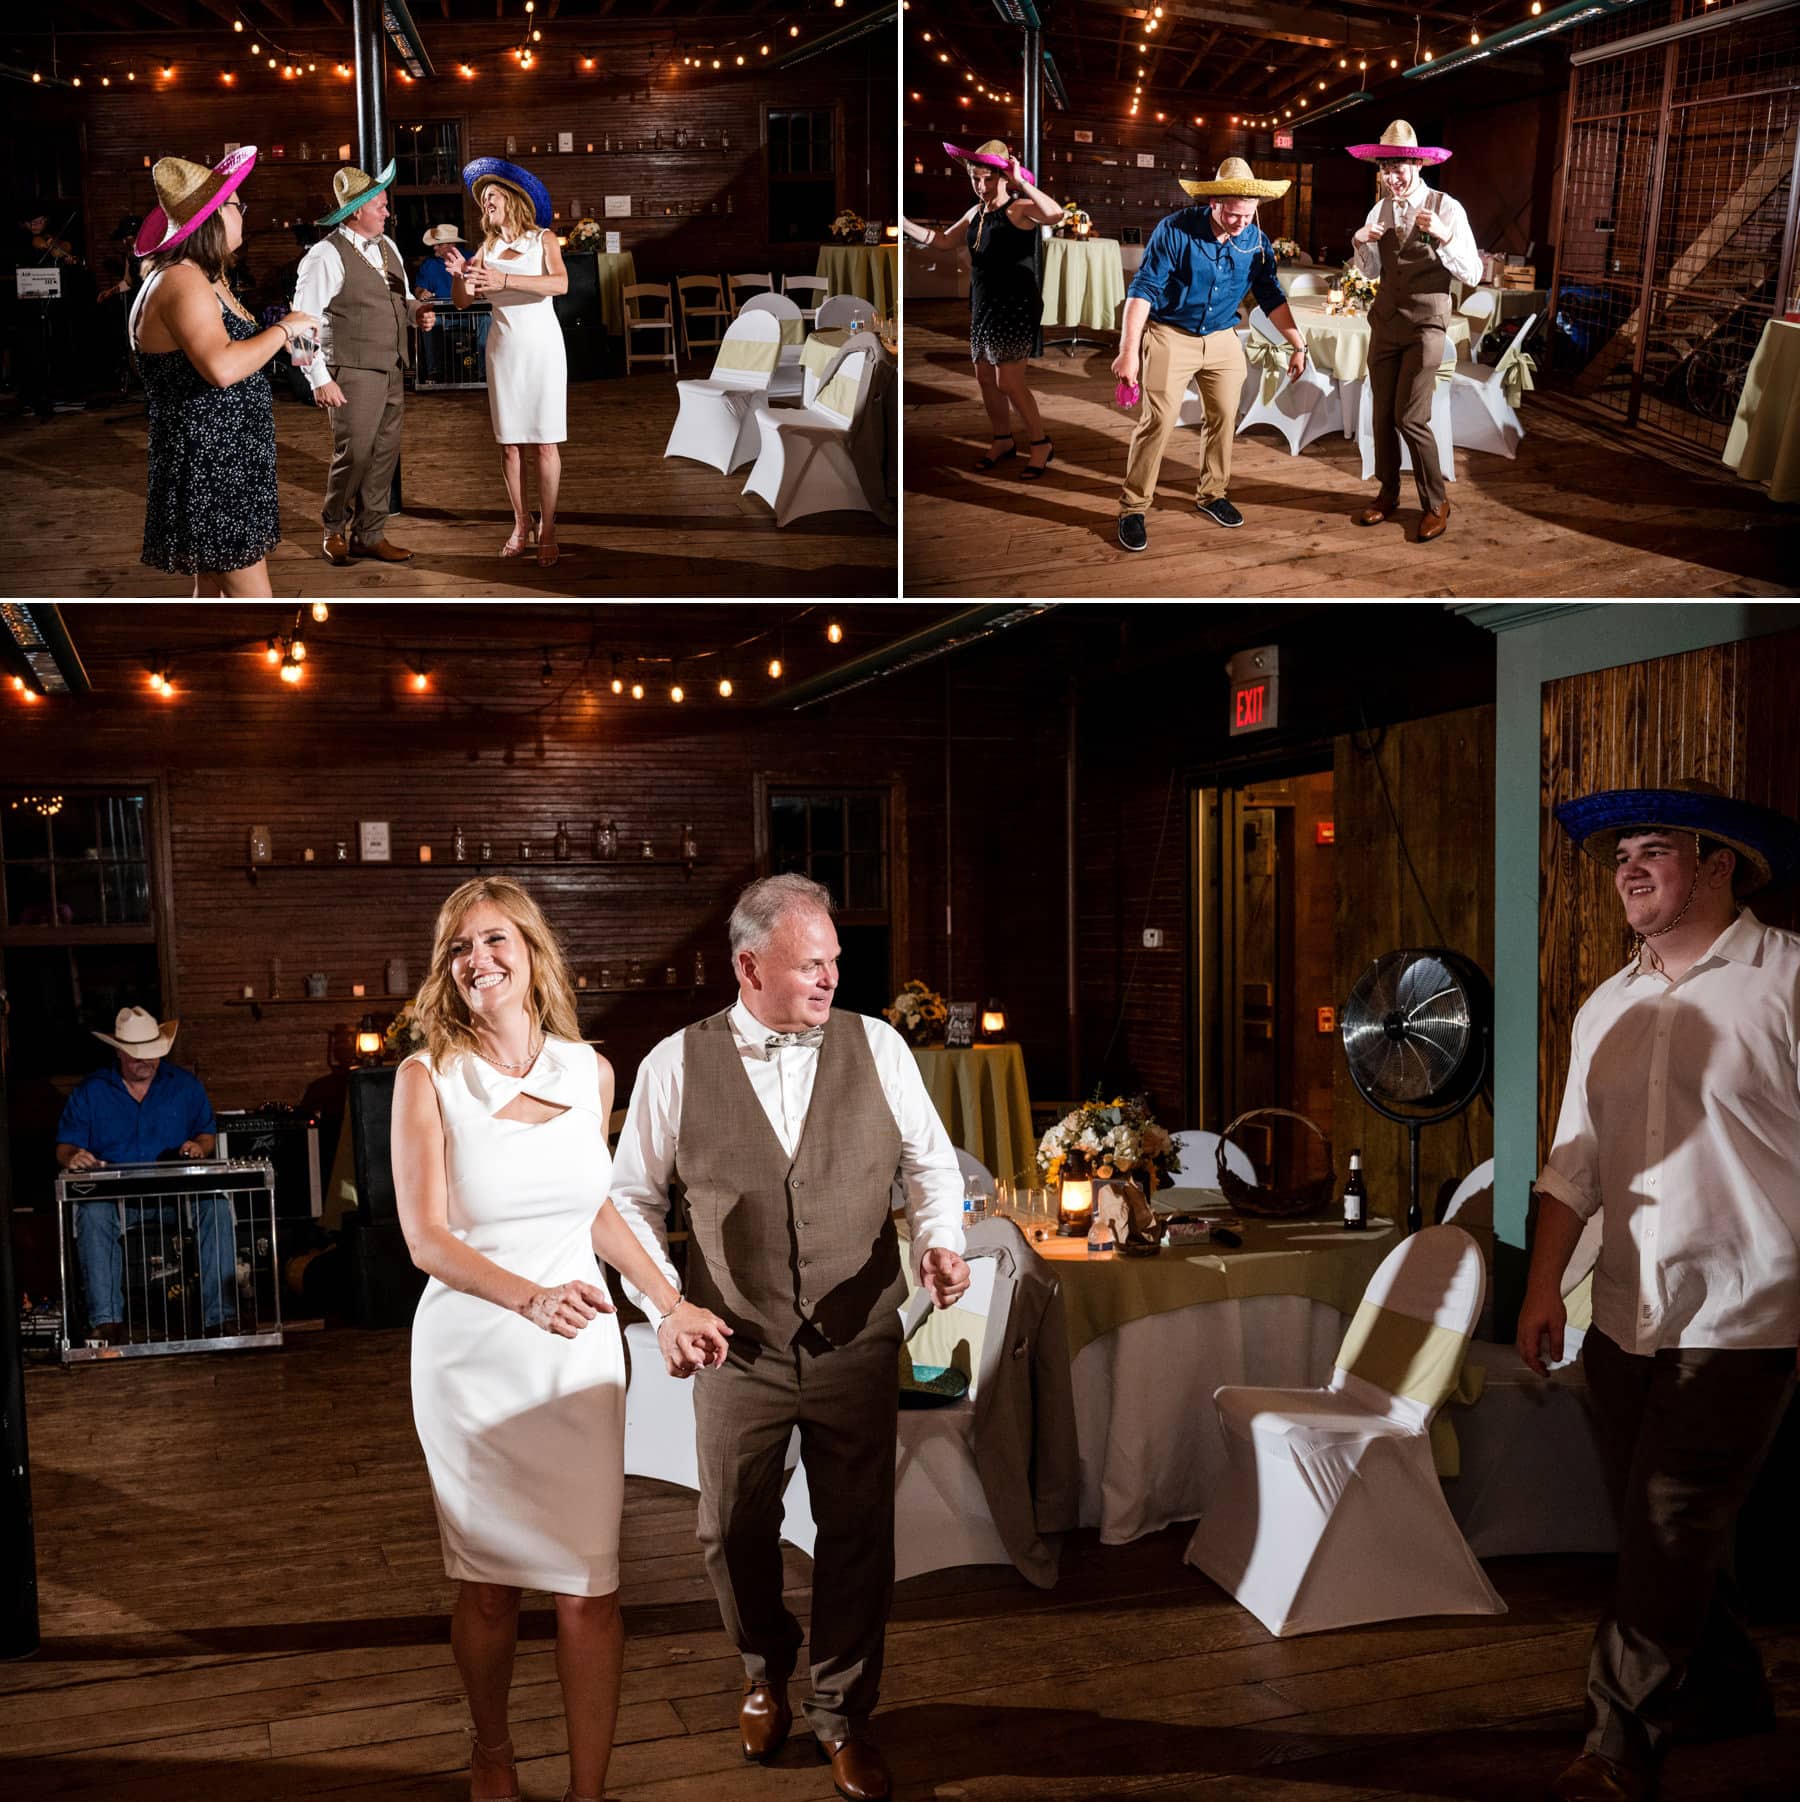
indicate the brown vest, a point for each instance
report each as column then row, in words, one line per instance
column 778, row 1242
column 368, row 317
column 1415, row 285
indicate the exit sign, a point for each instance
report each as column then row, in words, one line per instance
column 1255, row 690
column 1284, row 140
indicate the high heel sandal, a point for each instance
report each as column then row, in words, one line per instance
column 992, row 462
column 1033, row 472
column 500, row 1754
column 520, row 542
column 547, row 552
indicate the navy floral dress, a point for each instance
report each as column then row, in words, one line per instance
column 211, row 501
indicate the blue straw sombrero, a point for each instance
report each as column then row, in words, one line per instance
column 484, row 169
column 1767, row 843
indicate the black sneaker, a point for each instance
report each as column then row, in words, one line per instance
column 1221, row 512
column 1132, row 536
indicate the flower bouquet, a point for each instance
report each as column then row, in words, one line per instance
column 847, row 225
column 918, row 1013
column 404, row 1035
column 587, row 234
column 1127, row 1156
column 1353, row 292
column 1286, row 250
column 1075, row 223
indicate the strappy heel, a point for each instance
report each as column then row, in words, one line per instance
column 500, row 1754
column 520, row 542
column 993, row 462
column 1033, row 472
column 547, row 553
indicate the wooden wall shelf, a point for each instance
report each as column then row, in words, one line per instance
column 371, row 1004
column 474, row 867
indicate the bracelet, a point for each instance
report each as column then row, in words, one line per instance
column 662, row 1318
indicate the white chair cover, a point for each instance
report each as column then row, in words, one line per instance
column 788, row 381
column 1484, row 413
column 1307, row 281
column 970, row 1165
column 805, row 463
column 1330, row 1513
column 1300, row 411
column 1440, row 429
column 716, row 423
column 841, row 310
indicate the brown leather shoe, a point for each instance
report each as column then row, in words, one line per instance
column 857, row 1769
column 1432, row 525
column 382, row 552
column 337, row 549
column 763, row 1720
column 1384, row 508
column 1593, row 1777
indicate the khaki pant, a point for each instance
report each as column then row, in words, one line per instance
column 1404, row 359
column 845, row 1401
column 365, row 447
column 1172, row 359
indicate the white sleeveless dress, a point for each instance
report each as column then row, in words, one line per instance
column 527, row 369
column 524, row 1432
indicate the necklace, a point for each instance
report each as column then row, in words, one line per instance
column 517, row 1069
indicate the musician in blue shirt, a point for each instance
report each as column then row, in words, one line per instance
column 135, row 1111
column 1180, row 318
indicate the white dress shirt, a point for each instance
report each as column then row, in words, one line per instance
column 320, row 280
column 1457, row 253
column 1681, row 1122
column 783, row 1080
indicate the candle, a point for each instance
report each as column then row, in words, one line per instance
column 357, row 990
column 306, row 856
column 249, row 993
column 581, row 982
column 424, row 854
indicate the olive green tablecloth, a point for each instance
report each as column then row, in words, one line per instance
column 1338, row 343
column 981, row 1097
column 865, row 270
column 1084, row 283
column 1764, row 445
column 615, row 272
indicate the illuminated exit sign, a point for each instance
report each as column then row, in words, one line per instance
column 1255, row 678
column 1284, row 140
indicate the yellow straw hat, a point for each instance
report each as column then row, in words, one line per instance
column 1236, row 181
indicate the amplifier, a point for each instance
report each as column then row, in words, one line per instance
column 289, row 1139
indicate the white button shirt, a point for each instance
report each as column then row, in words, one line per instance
column 1458, row 254
column 1681, row 1124
column 320, row 280
column 783, row 1080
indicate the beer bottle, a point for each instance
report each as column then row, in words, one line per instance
column 1356, row 1200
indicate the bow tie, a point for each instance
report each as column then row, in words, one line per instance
column 814, row 1036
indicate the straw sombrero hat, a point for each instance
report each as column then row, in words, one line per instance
column 994, row 154
column 1235, row 181
column 187, row 195
column 352, row 188
column 1767, row 843
column 485, row 169
column 139, row 1034
column 441, row 234
column 1399, row 143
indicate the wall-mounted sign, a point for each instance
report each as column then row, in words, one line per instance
column 1145, row 160
column 618, row 206
column 1255, row 694
column 1284, row 140
column 1084, row 137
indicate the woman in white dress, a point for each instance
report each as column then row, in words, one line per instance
column 518, row 1376
column 519, row 271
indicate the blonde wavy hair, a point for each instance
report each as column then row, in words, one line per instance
column 515, row 209
column 440, row 1011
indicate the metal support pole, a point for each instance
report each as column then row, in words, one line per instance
column 1031, row 150
column 371, row 85
column 18, row 1546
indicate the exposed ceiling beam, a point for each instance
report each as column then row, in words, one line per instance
column 1199, row 56
column 171, row 10
column 1290, row 24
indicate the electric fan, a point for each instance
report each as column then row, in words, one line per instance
column 1417, row 1035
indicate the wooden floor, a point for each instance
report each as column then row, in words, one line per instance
column 1575, row 514
column 630, row 523
column 243, row 1601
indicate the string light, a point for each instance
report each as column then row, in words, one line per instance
column 321, row 612
column 835, row 633
column 725, row 688
column 637, row 691
column 273, row 654
column 775, row 668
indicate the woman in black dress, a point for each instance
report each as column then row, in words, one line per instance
column 210, row 505
column 1005, row 306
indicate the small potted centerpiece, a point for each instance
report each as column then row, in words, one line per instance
column 1105, row 1156
column 918, row 1014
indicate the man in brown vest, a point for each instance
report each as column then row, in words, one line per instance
column 1416, row 241
column 355, row 283
column 785, row 1126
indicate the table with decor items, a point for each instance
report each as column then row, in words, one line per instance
column 868, row 271
column 981, row 1096
column 1084, row 283
column 1764, row 445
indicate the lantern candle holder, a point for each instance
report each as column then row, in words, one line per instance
column 368, row 1040
column 993, row 1021
column 1075, row 1207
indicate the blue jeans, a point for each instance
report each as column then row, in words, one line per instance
column 99, row 1240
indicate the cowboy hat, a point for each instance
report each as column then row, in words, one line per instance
column 137, row 1034
column 1399, row 144
column 352, row 188
column 992, row 155
column 441, row 234
column 187, row 195
column 1767, row 843
column 1235, row 181
column 485, row 169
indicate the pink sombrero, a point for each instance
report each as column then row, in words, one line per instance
column 188, row 194
column 987, row 158
column 1399, row 143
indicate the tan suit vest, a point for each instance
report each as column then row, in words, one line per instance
column 368, row 317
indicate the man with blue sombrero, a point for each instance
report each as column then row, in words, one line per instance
column 354, row 281
column 1680, row 1126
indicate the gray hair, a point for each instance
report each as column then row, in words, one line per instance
column 760, row 908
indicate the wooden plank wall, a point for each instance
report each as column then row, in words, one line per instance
column 635, row 90
column 1440, row 773
column 1725, row 714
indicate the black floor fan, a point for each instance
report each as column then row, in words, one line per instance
column 1418, row 1036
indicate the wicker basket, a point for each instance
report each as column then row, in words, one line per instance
column 1248, row 1198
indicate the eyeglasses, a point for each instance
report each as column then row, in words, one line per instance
column 242, row 210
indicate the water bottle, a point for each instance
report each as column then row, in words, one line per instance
column 974, row 1200
column 1100, row 1238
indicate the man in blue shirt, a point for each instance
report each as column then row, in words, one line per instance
column 133, row 1112
column 432, row 282
column 1180, row 321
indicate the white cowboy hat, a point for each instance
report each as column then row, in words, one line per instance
column 442, row 234
column 138, row 1034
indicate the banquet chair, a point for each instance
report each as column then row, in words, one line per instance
column 636, row 320
column 1307, row 281
column 707, row 305
column 743, row 286
column 841, row 310
column 1300, row 411
column 717, row 420
column 1479, row 306
column 1440, row 430
column 815, row 286
column 1200, row 1159
column 804, row 465
column 970, row 1165
column 1330, row 1513
column 1482, row 417
column 789, row 380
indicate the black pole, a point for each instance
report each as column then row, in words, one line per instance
column 1031, row 152
column 371, row 85
column 1414, row 1217
column 18, row 1546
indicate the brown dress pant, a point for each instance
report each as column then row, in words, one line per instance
column 1682, row 1434
column 365, row 447
column 1404, row 360
column 846, row 1402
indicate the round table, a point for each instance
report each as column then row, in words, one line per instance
column 1764, row 445
column 865, row 270
column 1084, row 283
column 615, row 271
column 981, row 1097
column 1338, row 345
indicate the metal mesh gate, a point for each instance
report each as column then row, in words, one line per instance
column 1678, row 217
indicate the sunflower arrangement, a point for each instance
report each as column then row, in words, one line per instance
column 1075, row 223
column 918, row 1013
column 1286, row 250
column 587, row 234
column 1358, row 291
column 404, row 1034
column 1102, row 1139
column 847, row 225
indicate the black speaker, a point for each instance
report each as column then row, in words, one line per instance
column 289, row 1139
column 371, row 1113
column 578, row 313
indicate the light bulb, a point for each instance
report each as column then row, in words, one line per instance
column 637, row 691
column 618, row 685
column 321, row 612
column 273, row 655
column 677, row 692
column 775, row 667
column 725, row 687
column 420, row 680
column 297, row 650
